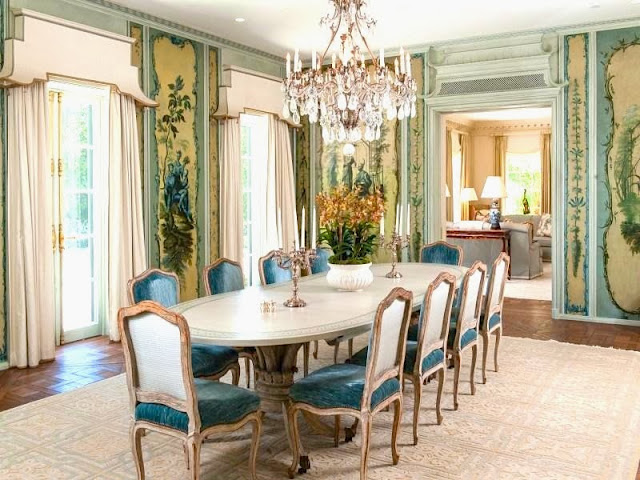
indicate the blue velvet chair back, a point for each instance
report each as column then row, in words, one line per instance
column 223, row 276
column 441, row 252
column 321, row 263
column 270, row 272
column 157, row 286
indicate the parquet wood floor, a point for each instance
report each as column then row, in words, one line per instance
column 87, row 361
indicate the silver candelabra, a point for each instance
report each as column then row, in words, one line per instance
column 295, row 260
column 396, row 241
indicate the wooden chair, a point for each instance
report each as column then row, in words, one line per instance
column 321, row 265
column 463, row 331
column 426, row 356
column 224, row 276
column 164, row 395
column 441, row 252
column 209, row 361
column 356, row 390
column 271, row 273
column 493, row 310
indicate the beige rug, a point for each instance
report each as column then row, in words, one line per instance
column 539, row 288
column 555, row 411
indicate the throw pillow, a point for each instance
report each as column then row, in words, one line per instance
column 544, row 227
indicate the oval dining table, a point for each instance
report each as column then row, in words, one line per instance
column 235, row 319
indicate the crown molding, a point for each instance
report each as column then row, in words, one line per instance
column 105, row 6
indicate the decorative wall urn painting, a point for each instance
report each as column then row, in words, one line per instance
column 619, row 171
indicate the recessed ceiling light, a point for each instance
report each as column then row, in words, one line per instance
column 594, row 4
column 240, row 20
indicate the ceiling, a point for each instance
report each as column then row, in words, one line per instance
column 278, row 26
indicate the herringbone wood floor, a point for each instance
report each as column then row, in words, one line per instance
column 80, row 363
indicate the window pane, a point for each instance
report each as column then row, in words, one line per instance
column 76, row 214
column 523, row 175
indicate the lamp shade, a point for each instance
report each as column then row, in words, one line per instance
column 447, row 192
column 468, row 194
column 494, row 188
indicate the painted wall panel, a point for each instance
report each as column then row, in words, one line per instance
column 303, row 172
column 416, row 165
column 577, row 174
column 618, row 194
column 176, row 77
column 214, row 163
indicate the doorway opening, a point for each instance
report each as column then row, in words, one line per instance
column 503, row 156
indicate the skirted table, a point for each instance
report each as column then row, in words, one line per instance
column 235, row 319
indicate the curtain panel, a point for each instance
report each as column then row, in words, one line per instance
column 449, row 174
column 231, row 191
column 545, row 157
column 465, row 171
column 126, row 256
column 30, row 253
column 500, row 160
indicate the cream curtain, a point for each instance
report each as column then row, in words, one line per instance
column 126, row 256
column 465, row 170
column 500, row 160
column 231, row 192
column 281, row 170
column 545, row 156
column 449, row 175
column 30, row 253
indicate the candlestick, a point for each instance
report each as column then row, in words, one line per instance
column 295, row 260
column 396, row 241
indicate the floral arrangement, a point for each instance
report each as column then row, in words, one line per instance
column 347, row 220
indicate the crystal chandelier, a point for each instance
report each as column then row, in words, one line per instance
column 349, row 97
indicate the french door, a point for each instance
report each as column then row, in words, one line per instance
column 79, row 137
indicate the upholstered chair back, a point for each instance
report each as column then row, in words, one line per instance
column 441, row 252
column 223, row 276
column 497, row 281
column 388, row 339
column 270, row 272
column 471, row 302
column 157, row 353
column 436, row 313
column 155, row 285
column 321, row 262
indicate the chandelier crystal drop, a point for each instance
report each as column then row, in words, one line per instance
column 350, row 97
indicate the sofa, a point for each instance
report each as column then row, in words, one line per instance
column 544, row 241
column 525, row 253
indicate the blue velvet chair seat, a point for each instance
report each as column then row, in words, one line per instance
column 493, row 320
column 339, row 386
column 207, row 360
column 413, row 332
column 218, row 404
column 428, row 362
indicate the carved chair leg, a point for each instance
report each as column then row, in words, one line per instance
column 366, row 437
column 247, row 371
column 397, row 417
column 350, row 432
column 315, row 349
column 336, row 347
column 456, row 378
column 441, row 379
column 350, row 344
column 417, row 400
column 292, row 424
column 485, row 352
column 136, row 446
column 193, row 446
column 305, row 353
column 255, row 443
column 235, row 374
column 472, row 375
column 495, row 352
column 336, row 431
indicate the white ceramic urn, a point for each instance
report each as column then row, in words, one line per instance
column 351, row 278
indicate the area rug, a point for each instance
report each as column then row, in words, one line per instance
column 539, row 288
column 554, row 411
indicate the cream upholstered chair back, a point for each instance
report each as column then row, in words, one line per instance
column 436, row 314
column 157, row 351
column 388, row 340
column 471, row 302
column 497, row 281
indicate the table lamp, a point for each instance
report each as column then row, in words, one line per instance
column 495, row 190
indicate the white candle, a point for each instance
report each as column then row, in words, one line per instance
column 382, row 57
column 288, row 64
column 279, row 228
column 303, row 231
column 397, row 227
column 295, row 60
column 408, row 219
column 296, row 238
column 313, row 59
column 401, row 60
column 408, row 64
column 382, row 225
column 313, row 228
column 395, row 66
column 333, row 61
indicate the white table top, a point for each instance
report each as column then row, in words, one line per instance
column 234, row 319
